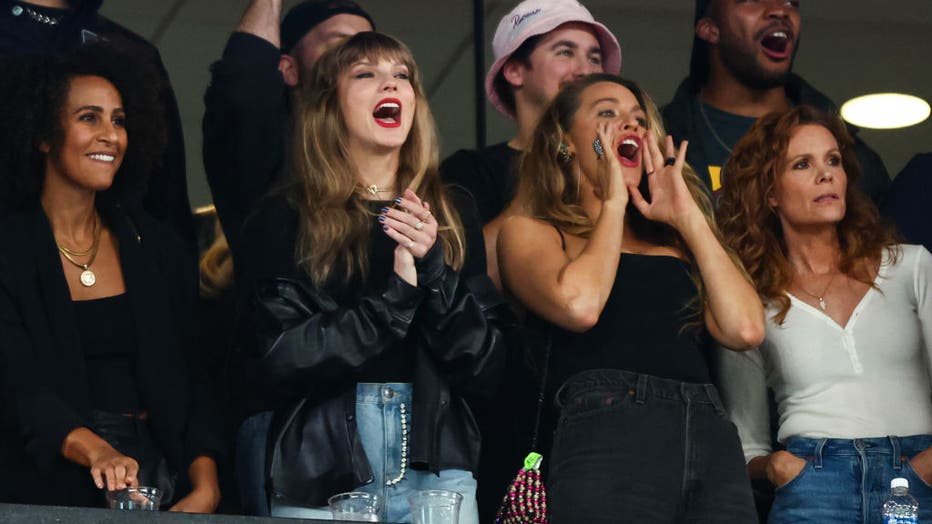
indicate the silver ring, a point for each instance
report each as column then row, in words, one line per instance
column 419, row 226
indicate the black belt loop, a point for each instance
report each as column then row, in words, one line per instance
column 641, row 389
column 817, row 455
column 897, row 455
column 716, row 400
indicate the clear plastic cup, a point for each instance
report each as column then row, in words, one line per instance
column 355, row 506
column 435, row 506
column 142, row 498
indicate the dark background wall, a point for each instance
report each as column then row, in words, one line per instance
column 849, row 48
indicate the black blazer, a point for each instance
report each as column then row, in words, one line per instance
column 44, row 385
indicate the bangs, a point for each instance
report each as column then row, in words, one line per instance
column 374, row 47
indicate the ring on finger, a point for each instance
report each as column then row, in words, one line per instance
column 419, row 226
column 669, row 161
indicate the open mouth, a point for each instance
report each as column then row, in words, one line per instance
column 629, row 150
column 776, row 44
column 388, row 113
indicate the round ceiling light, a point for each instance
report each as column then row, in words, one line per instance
column 885, row 110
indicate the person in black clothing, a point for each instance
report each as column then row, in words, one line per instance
column 740, row 70
column 101, row 383
column 246, row 128
column 366, row 297
column 909, row 202
column 56, row 27
column 247, row 107
column 615, row 253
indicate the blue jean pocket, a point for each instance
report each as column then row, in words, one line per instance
column 915, row 481
column 797, row 480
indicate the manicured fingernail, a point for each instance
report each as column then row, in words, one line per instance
column 381, row 219
column 384, row 210
column 384, row 228
column 398, row 200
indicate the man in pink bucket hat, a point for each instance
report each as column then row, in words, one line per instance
column 538, row 46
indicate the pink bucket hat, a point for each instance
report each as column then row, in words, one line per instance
column 536, row 17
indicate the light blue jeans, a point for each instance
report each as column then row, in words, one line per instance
column 846, row 481
column 378, row 418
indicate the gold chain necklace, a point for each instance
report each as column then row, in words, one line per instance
column 88, row 278
column 819, row 297
column 374, row 190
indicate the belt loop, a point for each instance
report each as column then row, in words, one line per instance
column 897, row 455
column 817, row 455
column 716, row 400
column 641, row 389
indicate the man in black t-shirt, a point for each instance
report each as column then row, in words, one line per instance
column 741, row 69
column 538, row 47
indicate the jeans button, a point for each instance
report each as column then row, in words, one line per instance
column 388, row 393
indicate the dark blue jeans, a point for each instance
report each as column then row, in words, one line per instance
column 846, row 481
column 637, row 448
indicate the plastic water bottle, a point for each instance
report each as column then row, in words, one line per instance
column 900, row 507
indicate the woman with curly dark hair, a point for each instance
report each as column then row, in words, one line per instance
column 849, row 334
column 96, row 299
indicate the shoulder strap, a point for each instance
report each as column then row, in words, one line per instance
column 545, row 369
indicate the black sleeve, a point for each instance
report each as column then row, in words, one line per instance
column 44, row 419
column 307, row 345
column 463, row 314
column 245, row 125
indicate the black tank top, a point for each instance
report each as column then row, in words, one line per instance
column 108, row 336
column 651, row 324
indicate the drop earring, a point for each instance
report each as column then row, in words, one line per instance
column 563, row 154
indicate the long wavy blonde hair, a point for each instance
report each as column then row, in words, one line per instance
column 548, row 187
column 335, row 224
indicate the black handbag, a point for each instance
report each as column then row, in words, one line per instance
column 525, row 502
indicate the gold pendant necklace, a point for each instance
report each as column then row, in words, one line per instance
column 88, row 278
column 820, row 297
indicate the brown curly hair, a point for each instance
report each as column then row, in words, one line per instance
column 752, row 228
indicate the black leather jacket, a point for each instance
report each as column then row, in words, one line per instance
column 310, row 347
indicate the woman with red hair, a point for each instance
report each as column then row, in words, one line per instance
column 849, row 332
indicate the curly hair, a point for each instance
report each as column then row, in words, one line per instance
column 548, row 188
column 34, row 90
column 752, row 228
